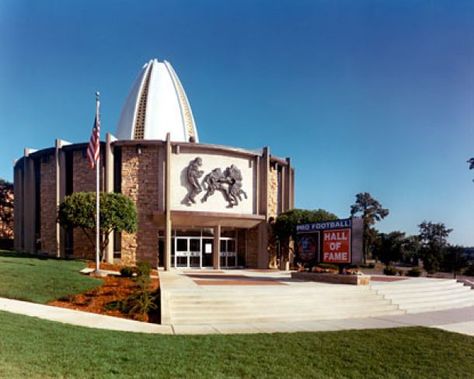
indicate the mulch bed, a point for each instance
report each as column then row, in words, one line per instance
column 114, row 288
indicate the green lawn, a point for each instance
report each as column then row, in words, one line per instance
column 39, row 279
column 30, row 347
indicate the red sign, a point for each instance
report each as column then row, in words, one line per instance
column 337, row 246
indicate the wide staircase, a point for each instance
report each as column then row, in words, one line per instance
column 423, row 295
column 282, row 303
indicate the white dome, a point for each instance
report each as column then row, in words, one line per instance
column 157, row 105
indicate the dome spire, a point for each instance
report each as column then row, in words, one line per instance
column 156, row 105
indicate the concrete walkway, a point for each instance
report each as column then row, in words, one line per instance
column 460, row 320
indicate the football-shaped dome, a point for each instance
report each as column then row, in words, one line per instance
column 157, row 105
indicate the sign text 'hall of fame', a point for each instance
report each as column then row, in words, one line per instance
column 337, row 246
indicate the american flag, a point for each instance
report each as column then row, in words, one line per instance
column 93, row 150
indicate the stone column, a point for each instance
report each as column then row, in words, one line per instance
column 109, row 187
column 168, row 225
column 216, row 251
column 29, row 204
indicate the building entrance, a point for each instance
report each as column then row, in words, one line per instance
column 195, row 249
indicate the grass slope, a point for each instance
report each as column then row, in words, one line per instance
column 30, row 347
column 40, row 280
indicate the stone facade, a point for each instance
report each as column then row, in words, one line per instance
column 84, row 180
column 49, row 241
column 140, row 174
column 272, row 192
column 138, row 169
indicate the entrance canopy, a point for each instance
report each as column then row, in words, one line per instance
column 209, row 219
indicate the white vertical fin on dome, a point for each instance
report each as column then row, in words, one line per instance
column 142, row 104
column 190, row 130
column 126, row 125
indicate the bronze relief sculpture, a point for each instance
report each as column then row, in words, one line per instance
column 227, row 182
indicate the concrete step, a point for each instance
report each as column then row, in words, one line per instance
column 437, row 307
column 252, row 299
column 428, row 295
column 254, row 308
column 216, row 319
column 424, row 295
column 409, row 286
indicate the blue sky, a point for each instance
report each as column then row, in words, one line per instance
column 364, row 96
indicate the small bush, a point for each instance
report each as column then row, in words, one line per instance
column 127, row 271
column 116, row 305
column 141, row 302
column 143, row 269
column 469, row 270
column 325, row 268
column 390, row 270
column 328, row 266
column 415, row 272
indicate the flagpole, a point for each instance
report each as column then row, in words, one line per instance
column 97, row 199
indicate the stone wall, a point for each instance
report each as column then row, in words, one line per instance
column 48, row 205
column 272, row 201
column 83, row 181
column 140, row 183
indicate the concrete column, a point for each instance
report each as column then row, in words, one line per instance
column 265, row 168
column 289, row 188
column 59, row 161
column 18, row 215
column 216, row 251
column 168, row 225
column 29, row 204
column 109, row 187
column 262, row 258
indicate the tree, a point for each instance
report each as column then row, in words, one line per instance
column 411, row 249
column 285, row 224
column 117, row 213
column 371, row 211
column 6, row 209
column 453, row 259
column 434, row 241
column 391, row 247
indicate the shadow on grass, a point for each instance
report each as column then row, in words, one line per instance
column 40, row 256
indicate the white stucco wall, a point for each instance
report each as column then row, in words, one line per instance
column 215, row 202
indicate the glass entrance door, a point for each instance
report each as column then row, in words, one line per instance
column 187, row 252
column 228, row 252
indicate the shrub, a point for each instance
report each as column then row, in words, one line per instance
column 325, row 268
column 143, row 269
column 469, row 270
column 390, row 270
column 127, row 271
column 415, row 272
column 141, row 302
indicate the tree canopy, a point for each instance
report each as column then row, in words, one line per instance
column 6, row 209
column 285, row 223
column 390, row 247
column 371, row 212
column 117, row 213
column 434, row 241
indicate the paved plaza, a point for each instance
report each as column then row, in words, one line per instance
column 460, row 320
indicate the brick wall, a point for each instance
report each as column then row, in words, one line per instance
column 140, row 183
column 48, row 204
column 252, row 247
column 83, row 181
